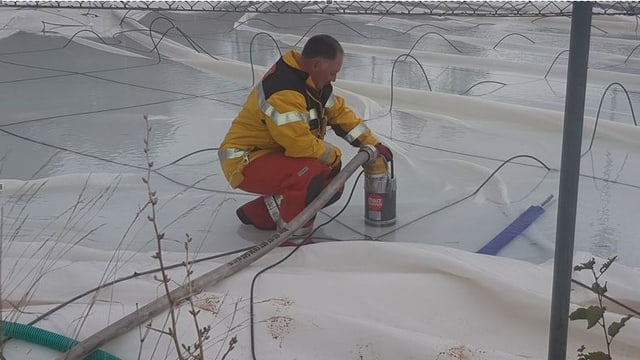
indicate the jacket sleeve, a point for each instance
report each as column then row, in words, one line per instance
column 346, row 124
column 287, row 120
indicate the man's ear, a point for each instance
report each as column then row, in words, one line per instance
column 316, row 64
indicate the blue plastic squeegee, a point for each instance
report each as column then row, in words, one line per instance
column 514, row 229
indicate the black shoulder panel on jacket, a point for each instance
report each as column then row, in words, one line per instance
column 284, row 78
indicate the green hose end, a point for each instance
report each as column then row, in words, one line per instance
column 47, row 339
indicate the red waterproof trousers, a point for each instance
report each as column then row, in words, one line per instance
column 297, row 180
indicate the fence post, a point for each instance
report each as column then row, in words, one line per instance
column 569, row 178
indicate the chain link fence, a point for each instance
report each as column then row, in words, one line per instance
column 438, row 8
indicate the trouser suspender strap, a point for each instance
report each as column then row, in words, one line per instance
column 273, row 206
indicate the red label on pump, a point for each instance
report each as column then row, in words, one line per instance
column 374, row 202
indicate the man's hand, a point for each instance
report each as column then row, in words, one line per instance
column 384, row 151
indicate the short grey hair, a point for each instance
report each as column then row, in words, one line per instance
column 322, row 46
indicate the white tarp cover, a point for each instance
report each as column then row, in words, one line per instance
column 349, row 300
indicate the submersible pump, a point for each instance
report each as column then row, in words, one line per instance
column 379, row 193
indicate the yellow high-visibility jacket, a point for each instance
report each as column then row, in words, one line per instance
column 285, row 113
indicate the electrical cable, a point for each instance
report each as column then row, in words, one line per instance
column 132, row 276
column 392, row 72
column 253, row 76
column 308, row 237
column 155, row 171
column 504, row 162
column 87, row 74
column 521, row 164
column 607, row 297
column 186, row 156
column 87, row 30
column 465, row 197
column 595, row 125
column 328, row 19
column 21, row 122
column 191, row 42
column 251, row 295
column 436, row 33
column 303, row 242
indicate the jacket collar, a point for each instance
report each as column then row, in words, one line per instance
column 289, row 58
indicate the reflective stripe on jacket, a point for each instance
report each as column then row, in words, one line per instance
column 285, row 113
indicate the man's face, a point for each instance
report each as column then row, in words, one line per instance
column 324, row 72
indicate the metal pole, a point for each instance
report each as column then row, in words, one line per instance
column 569, row 178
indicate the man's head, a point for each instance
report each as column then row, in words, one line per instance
column 322, row 58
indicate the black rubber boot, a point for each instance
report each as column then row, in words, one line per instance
column 255, row 213
column 243, row 217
